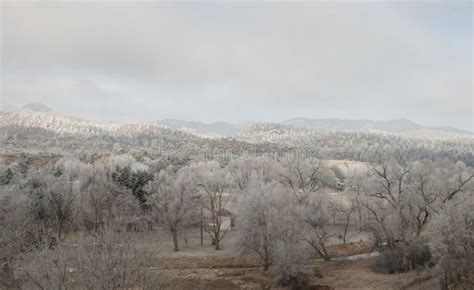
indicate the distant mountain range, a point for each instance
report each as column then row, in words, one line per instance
column 35, row 128
column 215, row 129
column 401, row 127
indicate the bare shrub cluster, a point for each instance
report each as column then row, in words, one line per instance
column 112, row 262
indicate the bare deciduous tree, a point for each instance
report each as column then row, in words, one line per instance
column 174, row 197
column 269, row 227
column 214, row 185
column 387, row 202
column 59, row 201
column 452, row 242
column 257, row 223
column 345, row 208
column 402, row 197
column 301, row 175
column 316, row 219
column 460, row 180
column 99, row 199
column 244, row 168
column 19, row 232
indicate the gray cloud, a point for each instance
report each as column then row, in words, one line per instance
column 126, row 61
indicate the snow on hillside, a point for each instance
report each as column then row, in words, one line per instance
column 399, row 126
column 296, row 130
column 66, row 125
column 207, row 130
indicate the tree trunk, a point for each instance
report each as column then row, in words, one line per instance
column 202, row 238
column 346, row 227
column 266, row 263
column 174, row 232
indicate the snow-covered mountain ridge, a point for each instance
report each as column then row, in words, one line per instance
column 66, row 125
column 37, row 115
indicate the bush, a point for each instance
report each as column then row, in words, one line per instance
column 113, row 261
column 403, row 260
column 419, row 256
column 296, row 280
column 389, row 262
column 288, row 270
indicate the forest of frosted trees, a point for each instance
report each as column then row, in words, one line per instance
column 417, row 211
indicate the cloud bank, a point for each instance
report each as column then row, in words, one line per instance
column 129, row 61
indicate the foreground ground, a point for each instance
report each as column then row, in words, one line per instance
column 233, row 273
column 201, row 267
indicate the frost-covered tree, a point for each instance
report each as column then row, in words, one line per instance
column 245, row 167
column 458, row 179
column 259, row 219
column 269, row 227
column 346, row 209
column 214, row 184
column 60, row 197
column 174, row 197
column 403, row 196
column 316, row 220
column 451, row 235
column 301, row 174
column 19, row 227
column 102, row 201
column 387, row 201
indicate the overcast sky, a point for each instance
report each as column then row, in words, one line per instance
column 125, row 61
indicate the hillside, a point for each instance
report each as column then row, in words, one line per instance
column 360, row 145
column 212, row 130
column 50, row 132
column 27, row 130
column 400, row 126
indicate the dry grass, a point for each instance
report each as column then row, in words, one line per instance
column 201, row 267
column 359, row 275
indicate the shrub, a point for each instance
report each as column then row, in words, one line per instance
column 419, row 256
column 296, row 280
column 389, row 262
column 288, row 269
column 113, row 261
column 403, row 259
